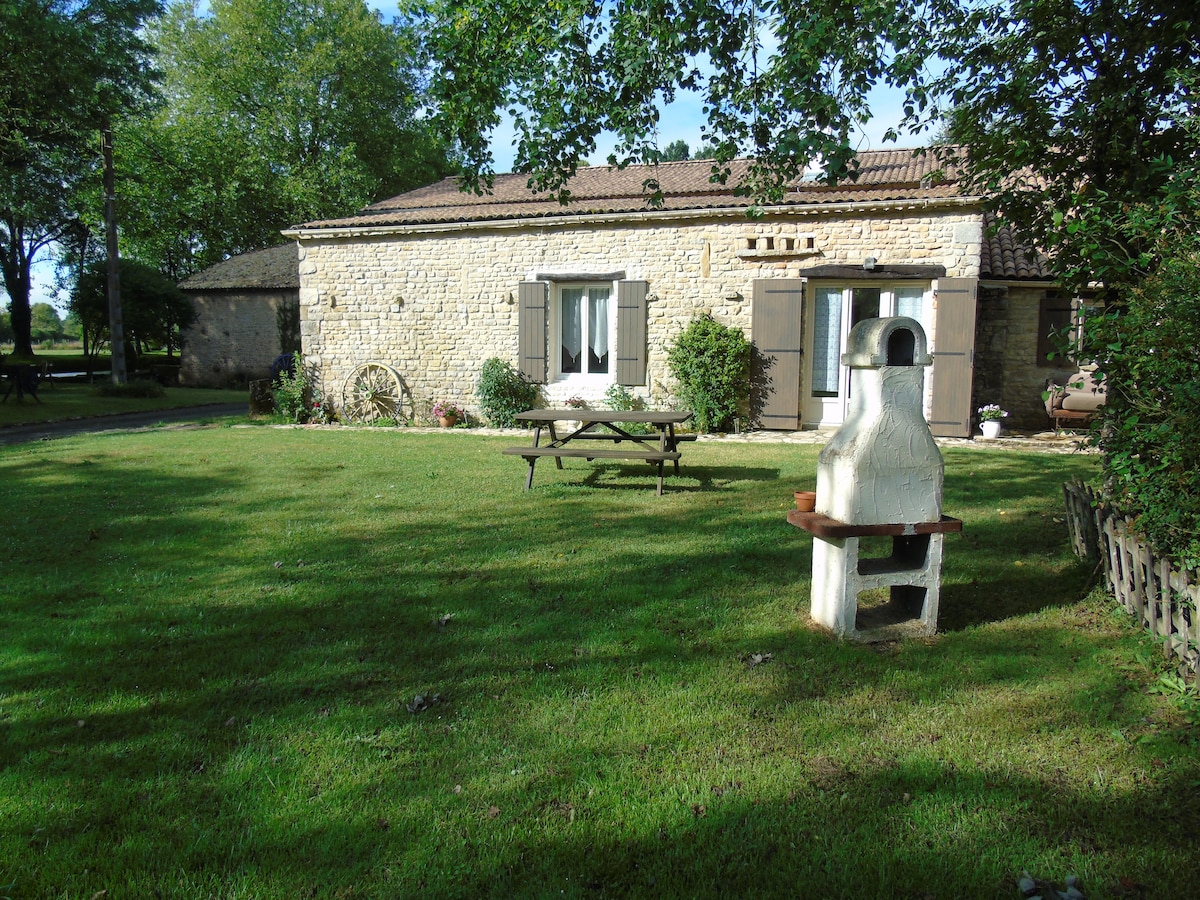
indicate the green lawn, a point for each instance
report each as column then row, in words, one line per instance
column 214, row 642
column 69, row 357
column 63, row 400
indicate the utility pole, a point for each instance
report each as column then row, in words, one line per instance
column 116, row 328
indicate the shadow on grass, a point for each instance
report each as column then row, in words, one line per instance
column 810, row 842
column 637, row 476
column 217, row 669
column 369, row 788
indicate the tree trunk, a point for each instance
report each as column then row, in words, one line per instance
column 83, row 233
column 116, row 327
column 22, row 317
column 17, row 283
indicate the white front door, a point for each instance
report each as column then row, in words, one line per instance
column 836, row 309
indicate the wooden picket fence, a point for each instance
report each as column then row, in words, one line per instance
column 1163, row 598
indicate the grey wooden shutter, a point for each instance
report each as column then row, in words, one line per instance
column 531, row 328
column 953, row 357
column 631, row 332
column 776, row 331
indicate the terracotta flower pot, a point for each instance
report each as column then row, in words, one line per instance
column 448, row 421
column 806, row 501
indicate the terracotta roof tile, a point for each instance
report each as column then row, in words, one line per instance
column 883, row 175
column 1004, row 258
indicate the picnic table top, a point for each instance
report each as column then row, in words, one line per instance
column 647, row 416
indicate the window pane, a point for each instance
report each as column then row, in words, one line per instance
column 572, row 329
column 910, row 301
column 1054, row 319
column 598, row 331
column 864, row 304
column 827, row 342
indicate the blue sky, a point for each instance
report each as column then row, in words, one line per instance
column 683, row 119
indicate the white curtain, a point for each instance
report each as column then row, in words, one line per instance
column 827, row 341
column 910, row 301
column 598, row 322
column 572, row 321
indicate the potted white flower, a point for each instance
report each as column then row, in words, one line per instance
column 990, row 417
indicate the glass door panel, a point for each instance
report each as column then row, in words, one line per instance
column 835, row 310
column 910, row 301
column 824, row 403
column 827, row 341
column 864, row 304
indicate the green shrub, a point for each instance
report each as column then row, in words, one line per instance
column 293, row 393
column 140, row 389
column 711, row 362
column 1146, row 348
column 503, row 392
column 618, row 397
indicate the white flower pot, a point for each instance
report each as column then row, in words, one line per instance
column 990, row 428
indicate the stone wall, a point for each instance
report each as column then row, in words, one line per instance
column 236, row 336
column 435, row 305
column 1006, row 358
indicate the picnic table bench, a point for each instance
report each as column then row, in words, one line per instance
column 657, row 448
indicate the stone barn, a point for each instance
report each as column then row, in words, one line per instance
column 248, row 313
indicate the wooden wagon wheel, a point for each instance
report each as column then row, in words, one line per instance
column 372, row 391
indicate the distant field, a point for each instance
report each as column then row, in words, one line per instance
column 70, row 358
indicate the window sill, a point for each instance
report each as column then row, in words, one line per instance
column 778, row 254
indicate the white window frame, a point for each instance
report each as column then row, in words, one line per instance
column 582, row 379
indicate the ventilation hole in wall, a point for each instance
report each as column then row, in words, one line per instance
column 789, row 244
column 770, row 243
column 811, row 243
column 751, row 243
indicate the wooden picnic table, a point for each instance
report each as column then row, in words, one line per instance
column 604, row 426
column 21, row 377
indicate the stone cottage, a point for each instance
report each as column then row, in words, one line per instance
column 248, row 312
column 591, row 293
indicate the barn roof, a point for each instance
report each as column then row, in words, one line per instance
column 686, row 186
column 884, row 176
column 275, row 268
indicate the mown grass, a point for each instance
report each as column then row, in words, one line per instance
column 69, row 357
column 214, row 642
column 72, row 400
